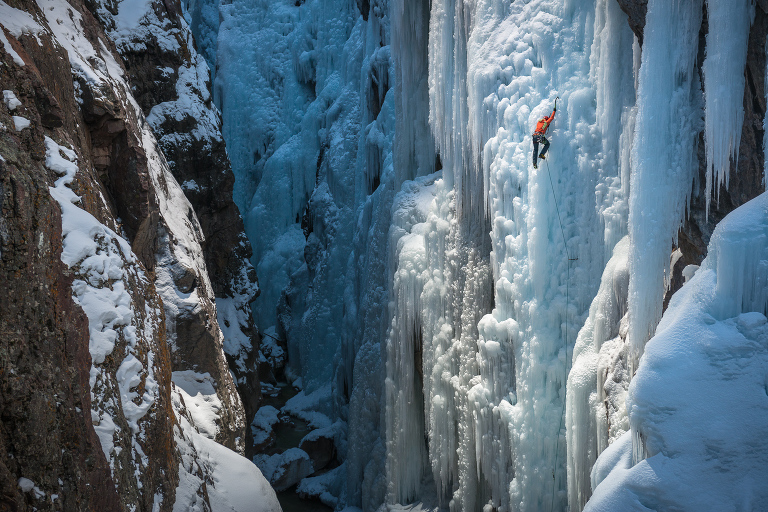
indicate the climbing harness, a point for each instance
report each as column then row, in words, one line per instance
column 567, row 301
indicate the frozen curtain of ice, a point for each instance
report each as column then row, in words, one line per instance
column 378, row 144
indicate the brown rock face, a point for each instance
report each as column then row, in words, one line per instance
column 68, row 423
column 46, row 424
column 122, row 166
column 45, row 403
column 636, row 10
column 192, row 144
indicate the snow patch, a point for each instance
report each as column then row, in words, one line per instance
column 20, row 123
column 10, row 100
column 203, row 404
column 9, row 49
column 18, row 22
column 263, row 422
column 231, row 481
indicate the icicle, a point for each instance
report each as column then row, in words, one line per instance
column 663, row 155
column 458, row 138
column 723, row 70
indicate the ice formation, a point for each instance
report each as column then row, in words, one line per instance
column 724, row 86
column 663, row 156
column 494, row 387
column 434, row 289
column 595, row 411
column 699, row 447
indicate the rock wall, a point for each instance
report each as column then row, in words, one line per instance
column 44, row 398
column 53, row 393
column 112, row 275
column 171, row 84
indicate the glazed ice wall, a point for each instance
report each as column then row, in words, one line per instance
column 493, row 369
column 308, row 107
column 663, row 156
column 488, row 265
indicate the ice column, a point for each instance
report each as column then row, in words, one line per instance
column 203, row 19
column 597, row 380
column 414, row 144
column 407, row 460
column 589, row 419
column 723, row 71
column 457, row 293
column 765, row 128
column 457, row 142
column 611, row 72
column 663, row 155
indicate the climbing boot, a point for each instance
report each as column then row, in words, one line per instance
column 543, row 157
column 535, row 166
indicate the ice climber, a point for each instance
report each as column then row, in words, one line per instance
column 538, row 136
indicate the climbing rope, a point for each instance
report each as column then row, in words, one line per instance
column 567, row 301
column 270, row 336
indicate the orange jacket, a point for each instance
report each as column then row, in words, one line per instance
column 543, row 125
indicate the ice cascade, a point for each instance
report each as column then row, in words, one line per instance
column 724, row 86
column 663, row 156
column 493, row 368
column 422, row 272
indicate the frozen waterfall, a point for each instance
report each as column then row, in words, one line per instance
column 475, row 322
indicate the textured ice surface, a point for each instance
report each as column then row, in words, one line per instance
column 494, row 384
column 697, row 406
column 724, row 74
column 445, row 349
column 663, row 155
column 595, row 412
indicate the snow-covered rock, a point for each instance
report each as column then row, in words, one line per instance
column 286, row 469
column 128, row 286
column 320, row 445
